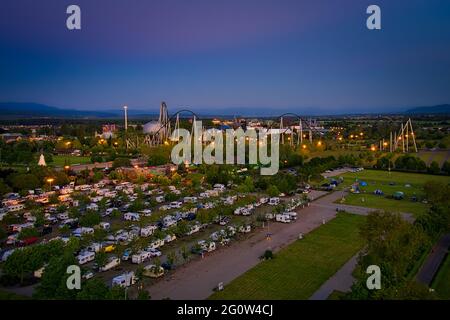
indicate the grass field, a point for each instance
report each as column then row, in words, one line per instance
column 301, row 268
column 442, row 281
column 11, row 296
column 60, row 161
column 438, row 156
column 381, row 180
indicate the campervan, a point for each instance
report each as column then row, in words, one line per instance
column 245, row 229
column 292, row 215
column 156, row 244
column 62, row 216
column 274, row 201
column 131, row 216
column 284, row 218
column 94, row 247
column 176, row 204
column 147, row 212
column 195, row 228
column 148, row 230
column 190, row 199
column 207, row 246
column 170, row 238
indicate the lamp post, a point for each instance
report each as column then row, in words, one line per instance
column 50, row 181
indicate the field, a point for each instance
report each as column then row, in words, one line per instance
column 409, row 183
column 298, row 270
column 438, row 156
column 60, row 161
column 442, row 281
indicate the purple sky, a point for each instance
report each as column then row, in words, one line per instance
column 303, row 56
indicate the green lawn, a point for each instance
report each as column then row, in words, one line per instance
column 381, row 180
column 442, row 281
column 429, row 156
column 4, row 295
column 60, row 161
column 301, row 268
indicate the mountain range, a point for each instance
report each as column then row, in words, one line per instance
column 15, row 110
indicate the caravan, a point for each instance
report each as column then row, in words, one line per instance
column 112, row 263
column 124, row 280
column 85, row 257
column 140, row 257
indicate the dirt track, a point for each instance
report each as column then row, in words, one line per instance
column 197, row 279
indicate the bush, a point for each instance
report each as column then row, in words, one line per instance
column 268, row 255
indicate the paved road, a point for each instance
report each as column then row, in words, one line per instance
column 430, row 267
column 197, row 279
column 341, row 281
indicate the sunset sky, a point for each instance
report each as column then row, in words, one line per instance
column 226, row 55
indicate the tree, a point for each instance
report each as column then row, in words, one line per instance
column 273, row 191
column 121, row 162
column 445, row 169
column 94, row 289
column 53, row 284
column 28, row 233
column 101, row 258
column 4, row 188
column 25, row 181
column 90, row 219
column 143, row 295
column 434, row 168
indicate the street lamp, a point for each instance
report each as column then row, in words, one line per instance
column 50, row 181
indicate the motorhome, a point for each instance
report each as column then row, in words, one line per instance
column 170, row 238
column 105, row 225
column 140, row 257
column 245, row 229
column 85, row 257
column 124, row 280
column 153, row 252
column 62, row 216
column 112, row 263
column 156, row 244
column 195, row 228
column 146, row 212
column 92, row 206
column 284, row 218
column 82, row 231
column 148, row 230
column 16, row 207
column 131, row 216
column 94, row 247
column 219, row 187
column 292, row 215
column 190, row 199
column 274, row 201
column 168, row 221
column 176, row 204
column 207, row 246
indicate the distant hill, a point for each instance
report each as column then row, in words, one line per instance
column 440, row 109
column 9, row 110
